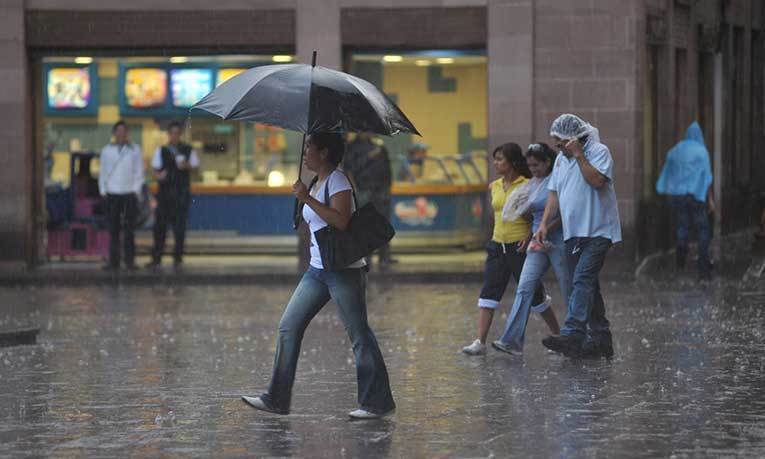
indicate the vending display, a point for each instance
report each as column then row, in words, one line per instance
column 189, row 85
column 69, row 90
column 145, row 87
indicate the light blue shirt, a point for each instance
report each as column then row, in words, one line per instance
column 687, row 169
column 537, row 201
column 587, row 211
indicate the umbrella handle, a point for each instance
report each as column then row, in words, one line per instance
column 296, row 209
column 295, row 216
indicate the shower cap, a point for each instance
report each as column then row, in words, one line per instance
column 568, row 126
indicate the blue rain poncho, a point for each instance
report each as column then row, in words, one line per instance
column 687, row 169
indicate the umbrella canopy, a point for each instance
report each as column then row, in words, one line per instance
column 307, row 99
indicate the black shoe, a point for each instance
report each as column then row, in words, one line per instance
column 597, row 349
column 153, row 265
column 178, row 265
column 567, row 345
column 680, row 256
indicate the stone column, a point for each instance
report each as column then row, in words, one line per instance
column 318, row 28
column 510, row 46
column 16, row 243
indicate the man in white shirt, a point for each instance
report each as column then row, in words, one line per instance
column 172, row 164
column 120, row 181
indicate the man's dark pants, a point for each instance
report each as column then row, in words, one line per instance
column 122, row 210
column 690, row 213
column 586, row 318
column 170, row 211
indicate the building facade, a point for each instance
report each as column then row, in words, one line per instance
column 639, row 70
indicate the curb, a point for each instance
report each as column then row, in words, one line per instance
column 96, row 278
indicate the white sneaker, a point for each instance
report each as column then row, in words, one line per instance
column 364, row 414
column 255, row 402
column 475, row 349
column 259, row 404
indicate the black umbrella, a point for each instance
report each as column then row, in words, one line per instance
column 308, row 99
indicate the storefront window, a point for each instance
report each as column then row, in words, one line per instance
column 83, row 101
column 444, row 93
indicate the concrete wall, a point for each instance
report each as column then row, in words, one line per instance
column 16, row 171
column 687, row 40
column 586, row 56
column 510, row 51
column 545, row 57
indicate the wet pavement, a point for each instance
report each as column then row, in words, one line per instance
column 158, row 370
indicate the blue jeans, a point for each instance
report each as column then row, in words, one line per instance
column 535, row 267
column 348, row 289
column 691, row 213
column 586, row 310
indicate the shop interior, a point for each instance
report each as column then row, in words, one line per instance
column 443, row 92
column 84, row 96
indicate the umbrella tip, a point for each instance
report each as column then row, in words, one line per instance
column 313, row 59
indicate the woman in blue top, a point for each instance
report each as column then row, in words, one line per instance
column 540, row 159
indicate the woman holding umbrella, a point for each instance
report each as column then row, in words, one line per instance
column 347, row 288
column 323, row 104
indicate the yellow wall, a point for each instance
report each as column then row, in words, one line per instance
column 437, row 114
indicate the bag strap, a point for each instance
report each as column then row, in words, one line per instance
column 114, row 168
column 353, row 190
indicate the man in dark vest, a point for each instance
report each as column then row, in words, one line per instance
column 172, row 164
column 368, row 164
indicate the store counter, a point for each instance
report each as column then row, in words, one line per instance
column 224, row 217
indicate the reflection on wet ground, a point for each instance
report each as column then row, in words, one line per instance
column 150, row 370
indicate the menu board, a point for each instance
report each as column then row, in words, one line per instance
column 68, row 88
column 189, row 85
column 145, row 87
column 226, row 74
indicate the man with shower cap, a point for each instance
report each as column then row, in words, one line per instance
column 582, row 190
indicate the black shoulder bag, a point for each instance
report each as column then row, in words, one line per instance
column 367, row 231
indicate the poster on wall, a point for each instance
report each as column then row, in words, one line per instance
column 189, row 85
column 145, row 88
column 69, row 90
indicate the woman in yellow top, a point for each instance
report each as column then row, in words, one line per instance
column 506, row 252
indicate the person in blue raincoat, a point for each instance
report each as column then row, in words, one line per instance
column 687, row 179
